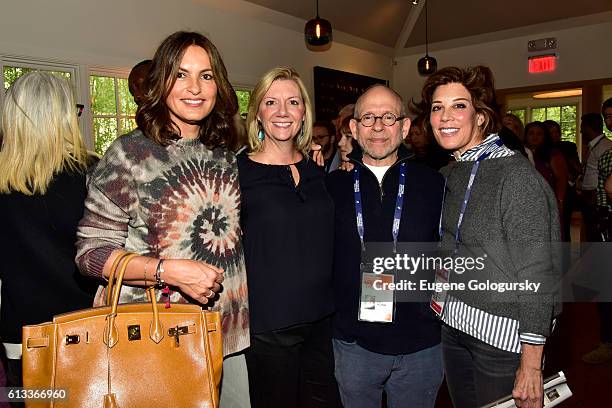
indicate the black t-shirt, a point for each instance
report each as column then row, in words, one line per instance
column 288, row 238
column 37, row 247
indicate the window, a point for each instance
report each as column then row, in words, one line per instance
column 243, row 101
column 565, row 116
column 14, row 67
column 520, row 113
column 12, row 73
column 113, row 109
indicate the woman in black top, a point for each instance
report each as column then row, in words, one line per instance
column 42, row 189
column 287, row 220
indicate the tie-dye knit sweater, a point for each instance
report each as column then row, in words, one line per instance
column 176, row 202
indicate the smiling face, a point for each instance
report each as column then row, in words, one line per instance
column 454, row 120
column 379, row 142
column 194, row 92
column 281, row 111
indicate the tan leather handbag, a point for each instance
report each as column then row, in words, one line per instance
column 129, row 356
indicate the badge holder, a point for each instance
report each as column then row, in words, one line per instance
column 376, row 300
column 438, row 299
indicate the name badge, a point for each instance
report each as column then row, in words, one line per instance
column 438, row 299
column 376, row 300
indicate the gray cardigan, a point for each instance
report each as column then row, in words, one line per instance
column 511, row 217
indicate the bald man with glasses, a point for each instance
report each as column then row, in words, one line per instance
column 382, row 344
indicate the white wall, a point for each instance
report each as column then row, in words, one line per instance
column 584, row 53
column 119, row 33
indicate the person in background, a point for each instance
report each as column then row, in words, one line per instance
column 570, row 154
column 514, row 124
column 549, row 161
column 395, row 352
column 43, row 161
column 287, row 221
column 324, row 134
column 137, row 80
column 497, row 204
column 345, row 144
column 424, row 146
column 603, row 353
column 591, row 128
column 345, row 112
column 169, row 192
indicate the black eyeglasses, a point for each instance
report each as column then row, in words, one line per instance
column 80, row 108
column 388, row 119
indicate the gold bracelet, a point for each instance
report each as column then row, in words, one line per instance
column 145, row 271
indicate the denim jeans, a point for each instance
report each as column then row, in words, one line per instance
column 476, row 373
column 410, row 380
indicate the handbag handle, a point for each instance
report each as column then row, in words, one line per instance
column 111, row 335
column 111, row 277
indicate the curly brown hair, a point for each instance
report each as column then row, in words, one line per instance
column 477, row 80
column 153, row 115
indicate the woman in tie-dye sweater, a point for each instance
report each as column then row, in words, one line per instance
column 169, row 191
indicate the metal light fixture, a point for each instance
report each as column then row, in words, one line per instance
column 415, row 2
column 427, row 65
column 318, row 31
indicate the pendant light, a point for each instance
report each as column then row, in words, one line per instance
column 427, row 65
column 318, row 31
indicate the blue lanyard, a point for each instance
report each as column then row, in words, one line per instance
column 468, row 191
column 399, row 204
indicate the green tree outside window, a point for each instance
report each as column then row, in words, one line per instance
column 113, row 110
column 243, row 101
column 11, row 74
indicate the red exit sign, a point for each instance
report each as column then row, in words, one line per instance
column 542, row 63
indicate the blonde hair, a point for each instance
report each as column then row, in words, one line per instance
column 304, row 139
column 40, row 134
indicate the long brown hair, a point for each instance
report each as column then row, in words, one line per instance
column 153, row 115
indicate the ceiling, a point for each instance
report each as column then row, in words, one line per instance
column 399, row 24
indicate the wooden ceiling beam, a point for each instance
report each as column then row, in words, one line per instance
column 408, row 27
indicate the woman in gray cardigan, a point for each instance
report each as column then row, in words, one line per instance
column 499, row 211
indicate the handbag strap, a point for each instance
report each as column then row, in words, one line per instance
column 111, row 276
column 111, row 336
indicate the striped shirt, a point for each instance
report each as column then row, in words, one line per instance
column 604, row 170
column 497, row 331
